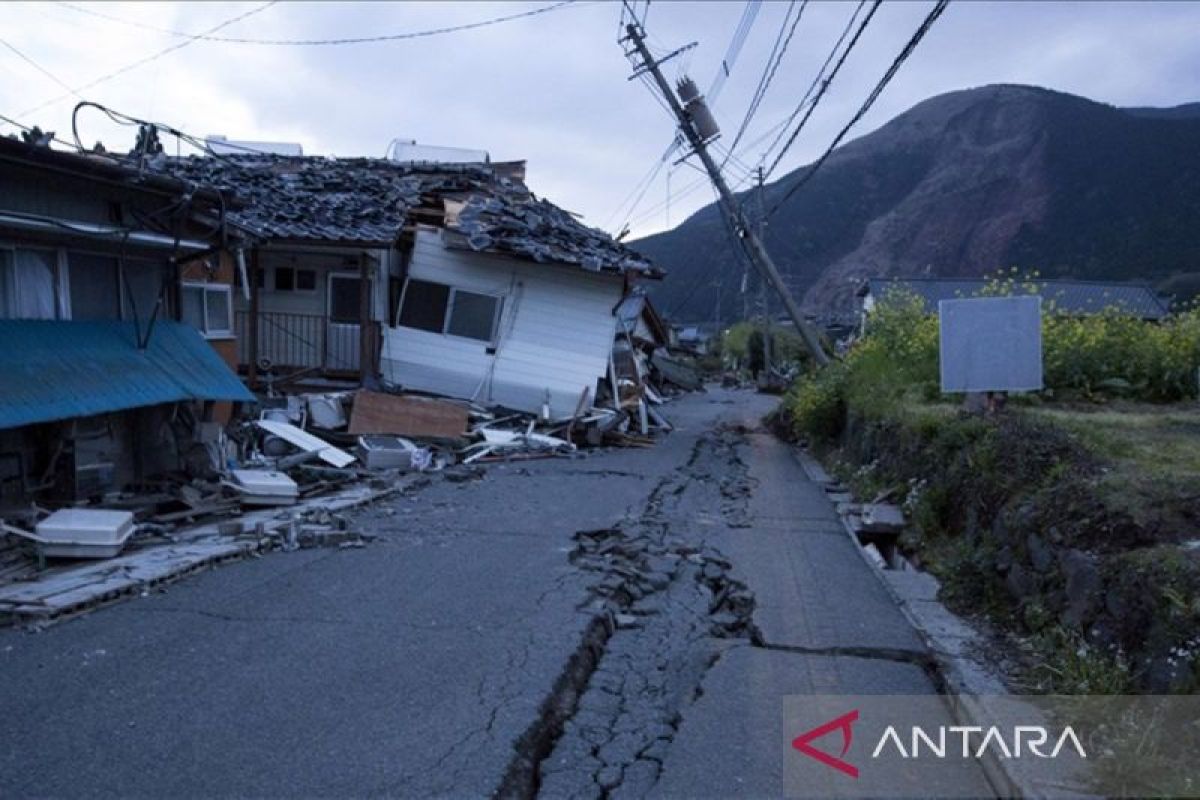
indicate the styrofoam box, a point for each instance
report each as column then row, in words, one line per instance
column 385, row 452
column 84, row 532
column 266, row 482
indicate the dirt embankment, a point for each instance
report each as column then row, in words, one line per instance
column 1024, row 523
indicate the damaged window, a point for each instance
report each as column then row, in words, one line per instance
column 438, row 308
column 424, row 306
column 473, row 315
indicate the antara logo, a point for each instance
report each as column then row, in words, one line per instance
column 843, row 723
column 974, row 741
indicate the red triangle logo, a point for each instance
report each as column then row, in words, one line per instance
column 842, row 723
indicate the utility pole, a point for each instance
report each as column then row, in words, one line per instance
column 762, row 285
column 754, row 246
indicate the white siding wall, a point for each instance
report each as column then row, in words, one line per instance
column 556, row 332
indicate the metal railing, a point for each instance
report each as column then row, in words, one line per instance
column 302, row 341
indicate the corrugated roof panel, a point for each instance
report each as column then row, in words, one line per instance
column 56, row 370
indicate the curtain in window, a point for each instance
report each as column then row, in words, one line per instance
column 35, row 295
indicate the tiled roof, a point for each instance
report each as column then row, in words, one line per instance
column 1071, row 297
column 366, row 201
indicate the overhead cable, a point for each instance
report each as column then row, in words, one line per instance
column 749, row 13
column 778, row 50
column 387, row 37
column 152, row 57
column 823, row 86
column 38, row 67
column 911, row 45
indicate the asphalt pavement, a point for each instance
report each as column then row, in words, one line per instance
column 624, row 623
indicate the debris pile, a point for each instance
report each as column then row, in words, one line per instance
column 302, row 446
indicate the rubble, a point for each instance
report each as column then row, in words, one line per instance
column 304, row 447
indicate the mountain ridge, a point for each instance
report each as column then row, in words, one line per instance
column 960, row 185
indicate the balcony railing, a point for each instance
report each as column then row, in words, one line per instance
column 303, row 341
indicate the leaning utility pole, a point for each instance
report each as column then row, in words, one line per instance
column 754, row 246
column 766, row 309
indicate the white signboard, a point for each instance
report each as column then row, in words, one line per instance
column 991, row 344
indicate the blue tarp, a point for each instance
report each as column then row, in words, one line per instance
column 51, row 370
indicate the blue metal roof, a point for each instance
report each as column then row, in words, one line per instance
column 52, row 370
column 1070, row 297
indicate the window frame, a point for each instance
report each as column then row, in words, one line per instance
column 60, row 278
column 222, row 288
column 295, row 270
column 448, row 313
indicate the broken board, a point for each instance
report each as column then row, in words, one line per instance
column 307, row 442
column 407, row 415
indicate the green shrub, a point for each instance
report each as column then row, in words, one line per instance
column 816, row 404
column 1109, row 354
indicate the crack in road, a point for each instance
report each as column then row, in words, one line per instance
column 661, row 604
column 924, row 660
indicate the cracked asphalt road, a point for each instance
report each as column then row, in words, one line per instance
column 622, row 624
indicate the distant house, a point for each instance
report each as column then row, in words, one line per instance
column 695, row 338
column 1066, row 296
column 115, row 321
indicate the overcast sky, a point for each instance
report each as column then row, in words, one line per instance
column 552, row 88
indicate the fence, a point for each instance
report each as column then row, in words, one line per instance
column 303, row 341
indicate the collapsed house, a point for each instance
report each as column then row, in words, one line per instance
column 450, row 279
column 115, row 323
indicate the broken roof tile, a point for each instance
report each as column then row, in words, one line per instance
column 368, row 201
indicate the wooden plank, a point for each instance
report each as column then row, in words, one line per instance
column 407, row 415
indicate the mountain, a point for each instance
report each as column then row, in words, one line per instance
column 963, row 184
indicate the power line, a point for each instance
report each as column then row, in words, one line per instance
column 749, row 14
column 122, row 118
column 641, row 187
column 911, row 45
column 388, row 37
column 782, row 126
column 77, row 90
column 823, row 85
column 740, row 256
column 38, row 67
column 778, row 50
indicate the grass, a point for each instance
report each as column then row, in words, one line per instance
column 1135, row 437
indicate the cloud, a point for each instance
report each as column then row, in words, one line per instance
column 552, row 89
